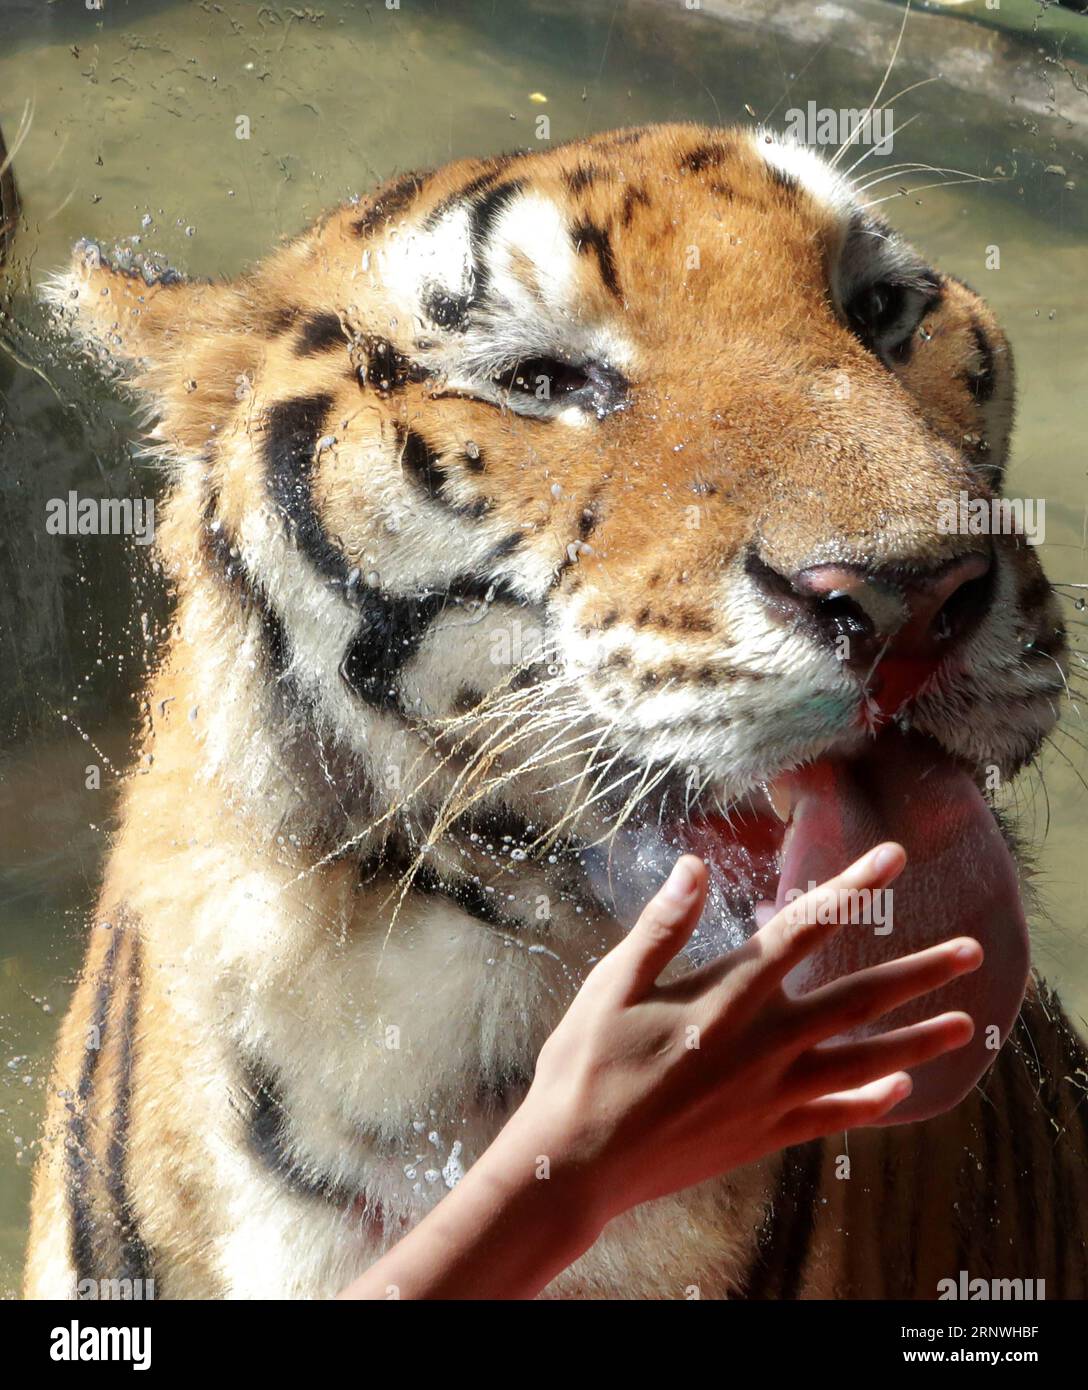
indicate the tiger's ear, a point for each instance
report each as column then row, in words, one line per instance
column 162, row 336
column 128, row 320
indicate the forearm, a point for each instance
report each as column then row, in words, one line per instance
column 503, row 1232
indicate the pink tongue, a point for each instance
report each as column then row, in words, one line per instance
column 959, row 881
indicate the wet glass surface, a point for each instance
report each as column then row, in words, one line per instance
column 131, row 117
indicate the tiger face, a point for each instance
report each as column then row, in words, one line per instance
column 604, row 494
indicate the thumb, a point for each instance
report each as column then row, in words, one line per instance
column 666, row 924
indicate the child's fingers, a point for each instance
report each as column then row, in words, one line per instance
column 834, row 1113
column 761, row 964
column 846, row 1066
column 868, row 994
column 666, row 923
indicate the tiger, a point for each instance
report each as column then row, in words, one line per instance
column 528, row 521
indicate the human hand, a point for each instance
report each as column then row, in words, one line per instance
column 646, row 1088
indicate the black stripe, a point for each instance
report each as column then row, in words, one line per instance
column 778, row 1267
column 502, row 549
column 589, row 237
column 268, row 1139
column 585, row 176
column 633, row 198
column 1025, row 1152
column 133, row 1258
column 1074, row 1064
column 319, row 333
column 223, row 559
column 268, row 1133
column 703, row 157
column 915, row 1205
column 280, row 320
column 982, row 382
column 623, row 137
column 392, row 629
column 83, row 1219
column 470, row 191
column 427, row 471
column 894, row 1271
column 9, row 203
column 390, row 635
column 802, row 1221
column 292, row 429
column 502, row 824
column 388, row 201
column 974, row 1192
column 781, row 179
column 422, row 463
column 469, row 895
column 929, row 286
column 386, row 368
column 1058, row 1065
column 494, row 831
column 482, row 215
column 484, row 211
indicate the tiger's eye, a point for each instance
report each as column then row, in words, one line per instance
column 545, row 376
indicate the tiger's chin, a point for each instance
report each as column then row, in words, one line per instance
column 805, row 827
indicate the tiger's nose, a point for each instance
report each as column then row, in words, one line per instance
column 886, row 614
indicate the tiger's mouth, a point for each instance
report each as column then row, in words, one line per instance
column 806, row 827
